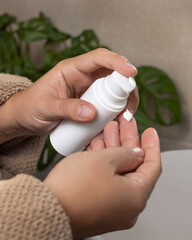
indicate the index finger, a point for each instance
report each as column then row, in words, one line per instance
column 101, row 57
column 129, row 134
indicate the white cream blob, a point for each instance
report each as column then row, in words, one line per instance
column 128, row 115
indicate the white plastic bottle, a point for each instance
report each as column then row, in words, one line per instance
column 109, row 96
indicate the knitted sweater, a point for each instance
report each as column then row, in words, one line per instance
column 28, row 210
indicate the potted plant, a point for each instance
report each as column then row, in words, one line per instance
column 159, row 101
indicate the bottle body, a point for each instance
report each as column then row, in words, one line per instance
column 70, row 136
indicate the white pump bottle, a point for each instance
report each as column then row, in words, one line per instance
column 109, row 96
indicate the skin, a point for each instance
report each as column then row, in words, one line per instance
column 55, row 96
column 106, row 187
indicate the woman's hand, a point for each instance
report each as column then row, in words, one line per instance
column 115, row 135
column 55, row 96
column 105, row 190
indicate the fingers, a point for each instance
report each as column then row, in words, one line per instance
column 95, row 59
column 133, row 101
column 111, row 135
column 74, row 109
column 151, row 168
column 129, row 134
column 97, row 143
column 109, row 138
column 132, row 104
column 100, row 73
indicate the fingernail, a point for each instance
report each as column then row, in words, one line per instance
column 139, row 152
column 84, row 112
column 129, row 65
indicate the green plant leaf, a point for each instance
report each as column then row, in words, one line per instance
column 9, row 51
column 51, row 58
column 85, row 42
column 6, row 20
column 40, row 28
column 142, row 119
column 156, row 87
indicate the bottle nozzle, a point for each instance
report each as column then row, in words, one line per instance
column 126, row 83
column 120, row 85
column 115, row 89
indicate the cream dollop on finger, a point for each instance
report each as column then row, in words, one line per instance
column 127, row 115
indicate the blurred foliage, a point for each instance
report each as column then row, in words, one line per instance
column 159, row 102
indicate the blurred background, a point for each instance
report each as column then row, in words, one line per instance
column 151, row 33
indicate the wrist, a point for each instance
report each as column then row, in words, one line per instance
column 9, row 127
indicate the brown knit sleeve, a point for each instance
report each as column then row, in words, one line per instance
column 19, row 155
column 28, row 210
column 11, row 84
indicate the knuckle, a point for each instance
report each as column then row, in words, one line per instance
column 60, row 107
column 139, row 203
column 59, row 68
column 118, row 57
column 132, row 223
column 101, row 50
column 61, row 65
column 63, row 109
column 140, row 196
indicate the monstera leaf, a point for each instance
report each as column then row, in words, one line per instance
column 159, row 101
column 40, row 28
column 6, row 20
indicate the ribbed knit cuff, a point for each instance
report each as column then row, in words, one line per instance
column 30, row 211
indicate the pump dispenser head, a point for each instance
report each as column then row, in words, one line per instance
column 115, row 89
column 120, row 84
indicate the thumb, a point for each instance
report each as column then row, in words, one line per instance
column 127, row 159
column 122, row 159
column 71, row 108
